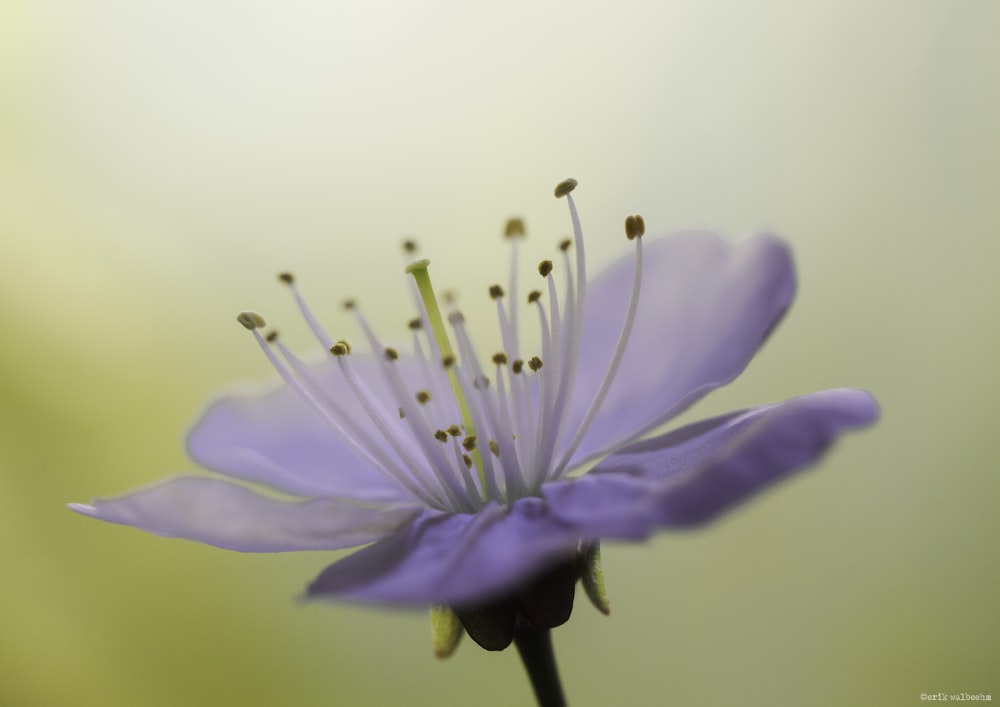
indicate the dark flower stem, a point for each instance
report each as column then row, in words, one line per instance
column 539, row 660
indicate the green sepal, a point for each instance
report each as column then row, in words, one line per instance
column 446, row 631
column 592, row 577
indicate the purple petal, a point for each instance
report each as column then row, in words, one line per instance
column 690, row 476
column 452, row 559
column 705, row 307
column 278, row 439
column 233, row 517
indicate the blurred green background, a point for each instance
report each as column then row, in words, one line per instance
column 161, row 161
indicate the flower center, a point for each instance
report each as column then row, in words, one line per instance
column 433, row 421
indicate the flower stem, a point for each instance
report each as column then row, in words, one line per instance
column 535, row 648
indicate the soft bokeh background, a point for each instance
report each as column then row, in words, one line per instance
column 160, row 161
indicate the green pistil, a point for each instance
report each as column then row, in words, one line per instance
column 423, row 279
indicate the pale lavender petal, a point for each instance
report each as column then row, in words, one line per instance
column 230, row 516
column 452, row 559
column 278, row 439
column 705, row 307
column 690, row 476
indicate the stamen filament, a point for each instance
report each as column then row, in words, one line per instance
column 616, row 359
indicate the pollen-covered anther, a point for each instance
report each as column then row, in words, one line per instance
column 514, row 228
column 635, row 227
column 441, row 435
column 500, row 359
column 565, row 187
column 534, row 363
column 271, row 336
column 544, row 268
column 496, row 292
column 517, row 366
column 565, row 243
column 481, row 383
column 456, row 317
column 494, row 448
column 454, row 430
column 423, row 397
column 415, row 324
column 409, row 246
column 401, row 414
column 341, row 348
column 468, row 461
column 448, row 361
column 469, row 443
column 251, row 320
column 391, row 354
column 534, row 296
column 349, row 304
column 287, row 278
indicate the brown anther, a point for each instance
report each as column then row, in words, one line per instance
column 251, row 320
column 481, row 383
column 287, row 278
column 534, row 296
column 349, row 304
column 272, row 336
column 565, row 187
column 391, row 354
column 448, row 361
column 401, row 414
column 534, row 363
column 494, row 449
column 423, row 397
column 441, row 436
column 449, row 297
column 517, row 366
column 341, row 348
column 564, row 244
column 635, row 227
column 456, row 317
column 500, row 359
column 514, row 228
column 496, row 292
column 469, row 443
column 468, row 461
column 416, row 324
column 409, row 246
column 454, row 430
column 544, row 268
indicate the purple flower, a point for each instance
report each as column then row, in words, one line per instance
column 462, row 471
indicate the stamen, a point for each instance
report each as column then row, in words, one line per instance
column 410, row 246
column 356, row 440
column 441, row 435
column 535, row 363
column 634, row 228
column 391, row 354
column 544, row 268
column 514, row 232
column 534, row 296
column 422, row 397
column 314, row 325
column 496, row 292
column 517, row 366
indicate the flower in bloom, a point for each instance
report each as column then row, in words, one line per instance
column 460, row 469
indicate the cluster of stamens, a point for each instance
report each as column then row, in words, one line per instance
column 454, row 437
